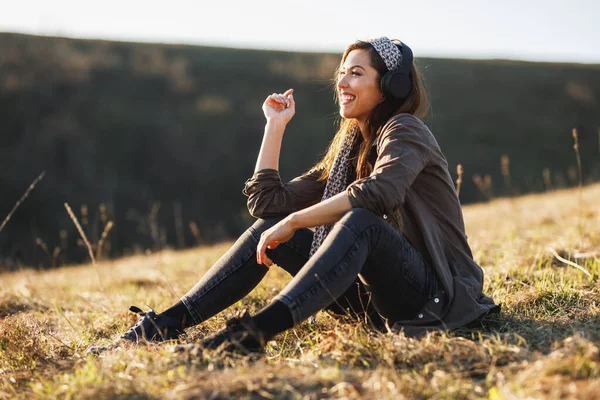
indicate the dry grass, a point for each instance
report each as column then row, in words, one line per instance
column 543, row 345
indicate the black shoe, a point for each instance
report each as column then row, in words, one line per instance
column 150, row 327
column 240, row 335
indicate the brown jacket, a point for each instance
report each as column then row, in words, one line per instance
column 412, row 189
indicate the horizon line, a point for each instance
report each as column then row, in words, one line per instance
column 305, row 50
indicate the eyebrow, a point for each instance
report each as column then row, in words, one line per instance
column 356, row 66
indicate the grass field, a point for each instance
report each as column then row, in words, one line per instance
column 544, row 344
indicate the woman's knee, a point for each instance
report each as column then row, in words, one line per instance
column 360, row 217
column 262, row 224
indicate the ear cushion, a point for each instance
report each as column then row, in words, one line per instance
column 396, row 84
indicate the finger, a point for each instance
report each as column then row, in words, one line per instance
column 273, row 245
column 258, row 249
column 264, row 259
column 259, row 253
column 289, row 96
column 268, row 261
column 278, row 100
column 291, row 102
column 275, row 103
column 261, row 250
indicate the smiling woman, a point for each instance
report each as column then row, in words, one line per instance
column 366, row 69
column 389, row 245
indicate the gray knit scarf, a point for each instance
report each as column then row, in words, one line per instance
column 336, row 183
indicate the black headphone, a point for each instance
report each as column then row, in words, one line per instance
column 397, row 83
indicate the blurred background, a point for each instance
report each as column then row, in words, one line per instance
column 148, row 114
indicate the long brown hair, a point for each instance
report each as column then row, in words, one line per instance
column 417, row 103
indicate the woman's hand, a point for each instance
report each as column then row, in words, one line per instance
column 280, row 107
column 271, row 238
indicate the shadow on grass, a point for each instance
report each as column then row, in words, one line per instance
column 11, row 305
column 540, row 335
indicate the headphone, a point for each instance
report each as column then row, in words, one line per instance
column 397, row 83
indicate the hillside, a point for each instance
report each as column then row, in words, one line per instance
column 162, row 137
column 544, row 344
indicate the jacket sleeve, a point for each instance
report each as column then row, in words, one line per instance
column 403, row 153
column 269, row 197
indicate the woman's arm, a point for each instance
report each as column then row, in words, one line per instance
column 267, row 195
column 279, row 110
column 403, row 152
column 268, row 156
column 325, row 212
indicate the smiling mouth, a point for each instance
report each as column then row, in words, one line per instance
column 346, row 99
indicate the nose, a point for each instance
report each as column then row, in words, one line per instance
column 342, row 82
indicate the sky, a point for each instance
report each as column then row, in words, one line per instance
column 550, row 30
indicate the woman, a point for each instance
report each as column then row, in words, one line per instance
column 389, row 245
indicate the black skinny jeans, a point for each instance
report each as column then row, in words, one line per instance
column 364, row 266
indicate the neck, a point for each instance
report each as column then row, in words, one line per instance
column 362, row 125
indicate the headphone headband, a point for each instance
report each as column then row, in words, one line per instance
column 398, row 58
column 407, row 58
column 388, row 51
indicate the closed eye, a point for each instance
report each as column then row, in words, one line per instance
column 353, row 73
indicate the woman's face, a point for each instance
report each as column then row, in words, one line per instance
column 358, row 86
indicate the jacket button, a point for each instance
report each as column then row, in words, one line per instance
column 384, row 216
column 436, row 300
column 420, row 315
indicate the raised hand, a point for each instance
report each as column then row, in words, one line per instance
column 280, row 107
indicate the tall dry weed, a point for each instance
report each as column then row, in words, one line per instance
column 459, row 180
column 87, row 243
column 580, row 176
column 103, row 237
column 505, row 170
column 29, row 189
column 547, row 178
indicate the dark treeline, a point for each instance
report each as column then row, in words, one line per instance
column 160, row 138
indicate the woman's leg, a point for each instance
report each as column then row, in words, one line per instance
column 231, row 278
column 236, row 273
column 355, row 302
column 361, row 243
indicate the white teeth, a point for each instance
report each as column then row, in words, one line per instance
column 347, row 98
